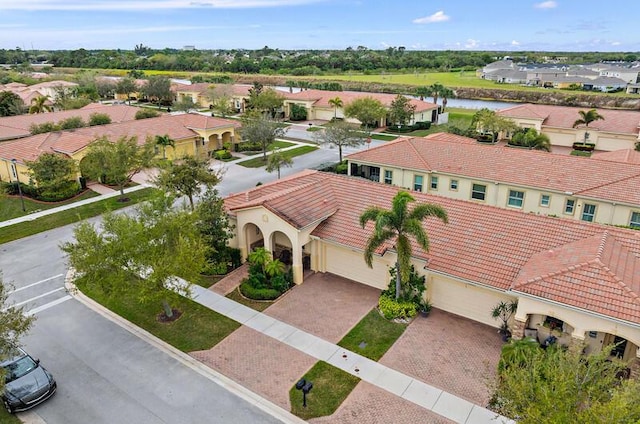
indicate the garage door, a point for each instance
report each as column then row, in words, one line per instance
column 465, row 300
column 349, row 264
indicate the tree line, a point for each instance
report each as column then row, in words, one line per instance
column 290, row 62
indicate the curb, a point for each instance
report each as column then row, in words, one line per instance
column 213, row 375
column 30, row 417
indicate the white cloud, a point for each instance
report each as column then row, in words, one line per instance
column 515, row 43
column 616, row 43
column 439, row 16
column 546, row 5
column 471, row 44
column 121, row 5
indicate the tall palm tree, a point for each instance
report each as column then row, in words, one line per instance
column 39, row 105
column 422, row 92
column 398, row 224
column 446, row 93
column 336, row 102
column 587, row 117
column 435, row 89
column 164, row 141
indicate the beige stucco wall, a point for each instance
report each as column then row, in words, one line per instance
column 581, row 322
column 6, row 173
column 498, row 195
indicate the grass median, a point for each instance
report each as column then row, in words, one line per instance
column 11, row 207
column 198, row 328
column 70, row 216
column 259, row 161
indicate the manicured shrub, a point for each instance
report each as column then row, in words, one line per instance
column 251, row 292
column 222, row 154
column 146, row 113
column 342, row 168
column 585, row 147
column 298, row 113
column 422, row 125
column 392, row 309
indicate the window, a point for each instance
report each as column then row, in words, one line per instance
column 588, row 212
column 545, row 200
column 553, row 323
column 569, row 206
column 374, row 174
column 478, row 191
column 433, row 182
column 635, row 220
column 453, row 185
column 388, row 176
column 417, row 182
column 516, row 198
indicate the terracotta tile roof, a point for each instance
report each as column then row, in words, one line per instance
column 596, row 273
column 622, row 155
column 562, row 173
column 617, row 121
column 18, row 126
column 69, row 142
column 204, row 122
column 321, row 98
column 481, row 244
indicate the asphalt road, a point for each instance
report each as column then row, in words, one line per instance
column 106, row 374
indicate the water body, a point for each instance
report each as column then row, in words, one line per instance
column 461, row 103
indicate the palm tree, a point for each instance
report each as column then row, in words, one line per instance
column 398, row 224
column 587, row 117
column 336, row 102
column 435, row 89
column 446, row 93
column 422, row 92
column 164, row 141
column 39, row 105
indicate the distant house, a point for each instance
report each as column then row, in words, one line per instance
column 618, row 130
column 633, row 89
column 489, row 70
column 199, row 94
column 316, row 102
column 628, row 75
column 605, row 84
column 194, row 135
column 19, row 126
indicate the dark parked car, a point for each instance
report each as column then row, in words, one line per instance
column 27, row 383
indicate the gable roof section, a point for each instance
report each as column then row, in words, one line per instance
column 481, row 244
column 18, row 126
column 561, row 173
column 596, row 273
column 321, row 98
column 615, row 121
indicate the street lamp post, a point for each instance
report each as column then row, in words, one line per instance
column 15, row 172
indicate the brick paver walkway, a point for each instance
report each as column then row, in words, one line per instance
column 373, row 405
column 447, row 351
column 258, row 362
column 231, row 280
column 325, row 305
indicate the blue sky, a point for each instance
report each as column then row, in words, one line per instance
column 558, row 25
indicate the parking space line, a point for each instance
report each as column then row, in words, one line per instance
column 39, row 296
column 36, row 283
column 48, row 305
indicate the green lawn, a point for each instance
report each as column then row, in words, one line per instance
column 10, row 207
column 48, row 222
column 314, row 129
column 378, row 333
column 7, row 418
column 383, row 137
column 258, row 162
column 331, row 386
column 198, row 328
column 278, row 144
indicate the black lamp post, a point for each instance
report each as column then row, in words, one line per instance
column 15, row 172
column 306, row 387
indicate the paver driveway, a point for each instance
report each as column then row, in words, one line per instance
column 325, row 305
column 449, row 352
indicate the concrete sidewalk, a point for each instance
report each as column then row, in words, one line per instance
column 406, row 387
column 40, row 214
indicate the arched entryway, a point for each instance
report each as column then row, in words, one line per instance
column 622, row 348
column 281, row 247
column 253, row 236
column 547, row 328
